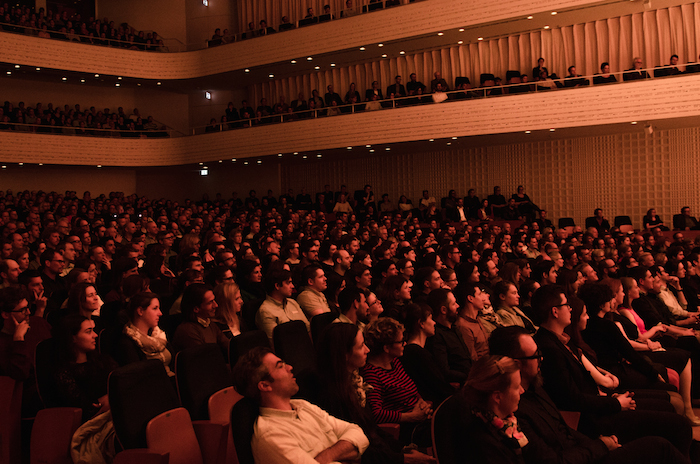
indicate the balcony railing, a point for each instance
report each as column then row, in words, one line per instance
column 548, row 85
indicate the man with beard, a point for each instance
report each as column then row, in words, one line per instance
column 550, row 438
column 608, row 269
column 353, row 306
column 447, row 345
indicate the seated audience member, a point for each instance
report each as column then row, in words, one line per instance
column 439, row 80
column 605, row 77
column 311, row 299
column 469, row 325
column 394, row 397
column 485, row 425
column 80, row 379
column 507, row 300
column 670, row 69
column 141, row 337
column 652, row 221
column 15, row 352
column 418, row 362
column 228, row 312
column 198, row 309
column 396, row 88
column 285, row 25
column 414, row 86
column 291, row 430
column 341, row 352
column 685, row 221
column 278, row 307
column 550, row 439
column 447, row 345
column 572, row 388
column 574, row 79
column 352, row 303
column 539, row 68
column 395, row 294
column 636, row 72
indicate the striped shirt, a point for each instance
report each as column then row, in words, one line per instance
column 393, row 392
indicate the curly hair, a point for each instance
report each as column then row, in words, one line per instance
column 380, row 333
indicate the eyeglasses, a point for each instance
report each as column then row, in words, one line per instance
column 400, row 342
column 23, row 309
column 538, row 356
column 567, row 305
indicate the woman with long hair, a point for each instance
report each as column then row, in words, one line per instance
column 228, row 313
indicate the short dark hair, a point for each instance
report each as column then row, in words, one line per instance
column 275, row 278
column 249, row 371
column 437, row 299
column 309, row 272
column 10, row 297
column 505, row 341
column 348, row 296
column 192, row 297
column 544, row 299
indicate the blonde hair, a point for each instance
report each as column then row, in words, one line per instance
column 487, row 375
column 224, row 294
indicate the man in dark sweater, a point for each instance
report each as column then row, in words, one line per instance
column 448, row 347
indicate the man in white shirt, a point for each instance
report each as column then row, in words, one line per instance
column 292, row 430
column 279, row 306
column 312, row 300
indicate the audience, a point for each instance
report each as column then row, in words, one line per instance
column 251, row 250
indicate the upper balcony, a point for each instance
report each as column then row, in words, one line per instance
column 418, row 26
column 669, row 101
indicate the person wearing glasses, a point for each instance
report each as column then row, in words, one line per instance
column 15, row 357
column 572, row 388
column 394, row 397
column 550, row 439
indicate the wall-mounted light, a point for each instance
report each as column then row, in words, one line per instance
column 207, row 95
column 204, row 172
column 205, row 2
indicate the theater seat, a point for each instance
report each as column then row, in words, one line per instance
column 200, row 371
column 567, row 224
column 320, row 322
column 444, row 434
column 52, row 433
column 10, row 409
column 140, row 456
column 241, row 344
column 293, row 345
column 220, row 405
column 624, row 223
column 243, row 416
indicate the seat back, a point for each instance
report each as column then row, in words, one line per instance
column 52, row 433
column 566, row 222
column 320, row 322
column 249, row 310
column 200, row 371
column 10, row 421
column 243, row 416
column 172, row 432
column 293, row 345
column 45, row 362
column 443, row 433
column 220, row 405
column 139, row 392
column 140, row 456
column 241, row 344
column 622, row 221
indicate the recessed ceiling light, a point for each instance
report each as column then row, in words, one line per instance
column 332, row 65
column 546, row 27
column 461, row 29
column 309, row 59
column 119, row 78
column 402, row 52
column 294, row 61
column 528, row 132
column 552, row 130
column 530, row 17
column 349, row 148
column 295, row 153
column 82, row 81
column 158, row 83
column 362, row 49
column 454, row 138
column 64, row 78
column 480, row 38
column 460, row 42
column 372, row 150
column 38, row 69
column 138, row 84
column 305, row 157
column 380, row 45
column 99, row 165
column 387, row 148
column 431, row 140
column 259, row 161
column 201, row 164
column 319, row 155
column 221, row 161
column 245, row 162
column 97, row 75
column 246, row 70
column 554, row 13
column 384, row 55
column 21, row 164
column 270, row 75
column 317, row 68
column 449, row 143
column 117, row 84
column 4, row 167
column 16, row 66
column 9, row 73
column 441, row 33
column 368, row 146
column 233, row 160
column 41, row 164
column 634, row 122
